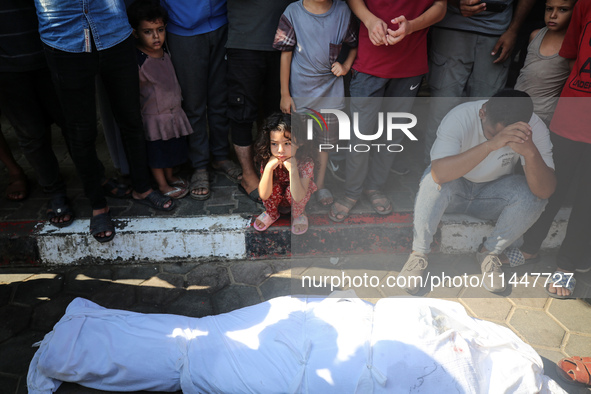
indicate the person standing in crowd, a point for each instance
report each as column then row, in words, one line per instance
column 391, row 61
column 253, row 77
column 165, row 123
column 197, row 34
column 29, row 101
column 571, row 138
column 470, row 54
column 544, row 72
column 310, row 36
column 84, row 39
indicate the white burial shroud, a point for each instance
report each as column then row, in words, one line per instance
column 289, row 345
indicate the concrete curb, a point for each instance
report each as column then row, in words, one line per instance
column 231, row 237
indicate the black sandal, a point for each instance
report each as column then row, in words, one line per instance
column 121, row 190
column 58, row 207
column 156, row 200
column 102, row 223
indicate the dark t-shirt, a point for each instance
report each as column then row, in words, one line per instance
column 252, row 23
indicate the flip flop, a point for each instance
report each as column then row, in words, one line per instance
column 576, row 370
column 58, row 207
column 253, row 195
column 177, row 193
column 200, row 180
column 376, row 195
column 302, row 219
column 334, row 213
column 229, row 169
column 122, row 190
column 156, row 200
column 266, row 219
column 102, row 223
column 561, row 280
column 324, row 195
column 181, row 183
column 516, row 257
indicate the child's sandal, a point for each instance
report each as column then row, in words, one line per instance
column 265, row 219
column 300, row 220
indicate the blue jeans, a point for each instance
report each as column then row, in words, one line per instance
column 372, row 168
column 507, row 200
column 200, row 65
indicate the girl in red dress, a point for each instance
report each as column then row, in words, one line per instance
column 287, row 175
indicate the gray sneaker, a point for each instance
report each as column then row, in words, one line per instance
column 493, row 278
column 412, row 272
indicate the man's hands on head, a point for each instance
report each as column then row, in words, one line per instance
column 517, row 133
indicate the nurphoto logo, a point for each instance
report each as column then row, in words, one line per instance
column 388, row 122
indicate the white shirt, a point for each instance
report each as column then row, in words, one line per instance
column 461, row 130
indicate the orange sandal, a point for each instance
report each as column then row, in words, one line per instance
column 575, row 370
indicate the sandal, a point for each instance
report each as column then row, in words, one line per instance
column 231, row 170
column 102, row 223
column 334, row 213
column 156, row 200
column 19, row 187
column 57, row 207
column 180, row 183
column 265, row 219
column 300, row 220
column 253, row 195
column 575, row 370
column 560, row 280
column 374, row 196
column 113, row 188
column 177, row 193
column 324, row 197
column 200, row 180
column 516, row 257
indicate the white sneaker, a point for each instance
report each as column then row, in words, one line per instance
column 493, row 278
column 413, row 273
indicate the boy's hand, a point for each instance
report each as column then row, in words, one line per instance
column 339, row 70
column 404, row 29
column 377, row 29
column 286, row 105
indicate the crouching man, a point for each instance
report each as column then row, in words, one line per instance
column 472, row 160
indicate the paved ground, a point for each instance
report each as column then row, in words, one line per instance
column 33, row 300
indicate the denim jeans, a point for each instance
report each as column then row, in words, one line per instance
column 74, row 78
column 369, row 170
column 200, row 65
column 573, row 165
column 29, row 101
column 507, row 200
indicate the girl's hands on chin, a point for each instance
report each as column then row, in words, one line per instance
column 273, row 163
